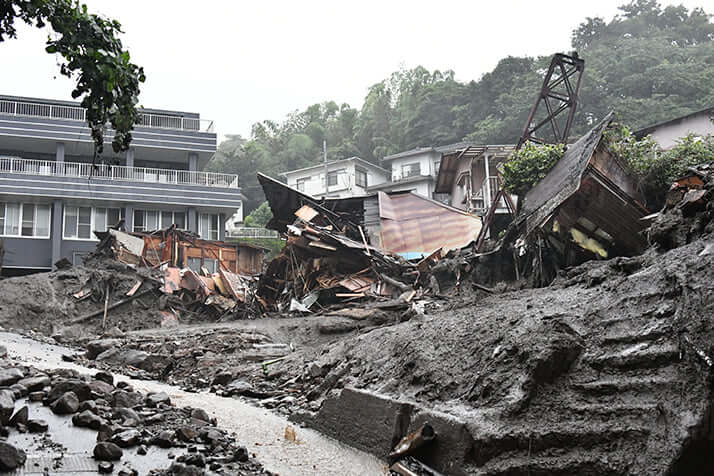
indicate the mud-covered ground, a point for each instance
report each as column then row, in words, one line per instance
column 605, row 371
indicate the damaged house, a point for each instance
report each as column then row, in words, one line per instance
column 588, row 206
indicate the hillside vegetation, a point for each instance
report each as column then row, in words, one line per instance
column 649, row 63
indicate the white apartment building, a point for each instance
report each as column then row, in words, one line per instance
column 416, row 170
column 345, row 178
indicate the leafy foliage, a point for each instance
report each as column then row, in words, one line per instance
column 655, row 168
column 528, row 165
column 260, row 216
column 649, row 64
column 107, row 80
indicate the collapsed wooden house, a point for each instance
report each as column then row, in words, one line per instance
column 181, row 249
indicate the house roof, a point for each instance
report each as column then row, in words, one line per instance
column 649, row 129
column 450, row 162
column 336, row 162
column 420, row 150
column 412, row 223
column 562, row 181
column 399, row 183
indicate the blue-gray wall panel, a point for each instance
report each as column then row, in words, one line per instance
column 70, row 247
column 27, row 252
column 124, row 192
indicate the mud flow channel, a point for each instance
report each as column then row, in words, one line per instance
column 261, row 431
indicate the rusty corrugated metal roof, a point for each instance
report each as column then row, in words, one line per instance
column 411, row 223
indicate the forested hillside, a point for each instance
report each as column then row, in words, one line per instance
column 649, row 63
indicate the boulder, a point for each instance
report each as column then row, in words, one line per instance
column 105, row 467
column 123, row 398
column 107, row 451
column 96, row 347
column 200, row 414
column 155, row 399
column 127, row 438
column 105, row 377
column 37, row 426
column 66, row 404
column 165, row 439
column 186, row 434
column 80, row 388
column 87, row 419
column 223, row 378
column 11, row 457
column 10, row 376
column 20, row 417
column 7, row 406
column 37, row 396
column 37, row 382
column 100, row 388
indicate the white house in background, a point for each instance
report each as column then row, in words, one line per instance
column 666, row 133
column 416, row 170
column 234, row 221
column 345, row 178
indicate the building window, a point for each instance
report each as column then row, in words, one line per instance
column 436, row 167
column 211, row 265
column 331, row 178
column 361, row 178
column 105, row 218
column 194, row 264
column 78, row 222
column 411, row 170
column 25, row 219
column 152, row 220
column 173, row 218
column 301, row 184
column 208, row 226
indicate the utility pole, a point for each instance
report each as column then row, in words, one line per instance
column 324, row 156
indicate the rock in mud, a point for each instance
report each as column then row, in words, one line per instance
column 105, row 467
column 37, row 396
column 35, row 383
column 96, row 347
column 241, row 454
column 122, row 398
column 78, row 387
column 10, row 376
column 67, row 404
column 7, row 406
column 186, row 434
column 20, row 417
column 107, row 451
column 223, row 378
column 37, row 426
column 180, row 469
column 11, row 457
column 87, row 419
column 127, row 438
column 105, row 377
column 155, row 399
column 200, row 414
column 165, row 439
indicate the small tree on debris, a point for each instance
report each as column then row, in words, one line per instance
column 655, row 168
column 107, row 80
column 529, row 165
column 260, row 216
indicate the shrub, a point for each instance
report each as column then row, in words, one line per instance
column 529, row 165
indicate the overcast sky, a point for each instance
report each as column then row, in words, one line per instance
column 239, row 62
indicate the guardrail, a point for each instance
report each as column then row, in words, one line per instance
column 253, row 232
column 17, row 165
column 77, row 113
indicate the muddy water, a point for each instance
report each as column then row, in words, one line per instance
column 261, row 431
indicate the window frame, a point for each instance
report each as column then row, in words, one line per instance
column 300, row 184
column 210, row 223
column 358, row 173
column 93, row 211
column 22, row 219
column 411, row 166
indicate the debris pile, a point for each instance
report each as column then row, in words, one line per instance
column 688, row 210
column 322, row 265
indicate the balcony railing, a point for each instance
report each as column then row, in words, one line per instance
column 76, row 113
column 16, row 165
column 253, row 232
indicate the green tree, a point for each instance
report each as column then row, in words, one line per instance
column 106, row 80
column 260, row 216
column 529, row 165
